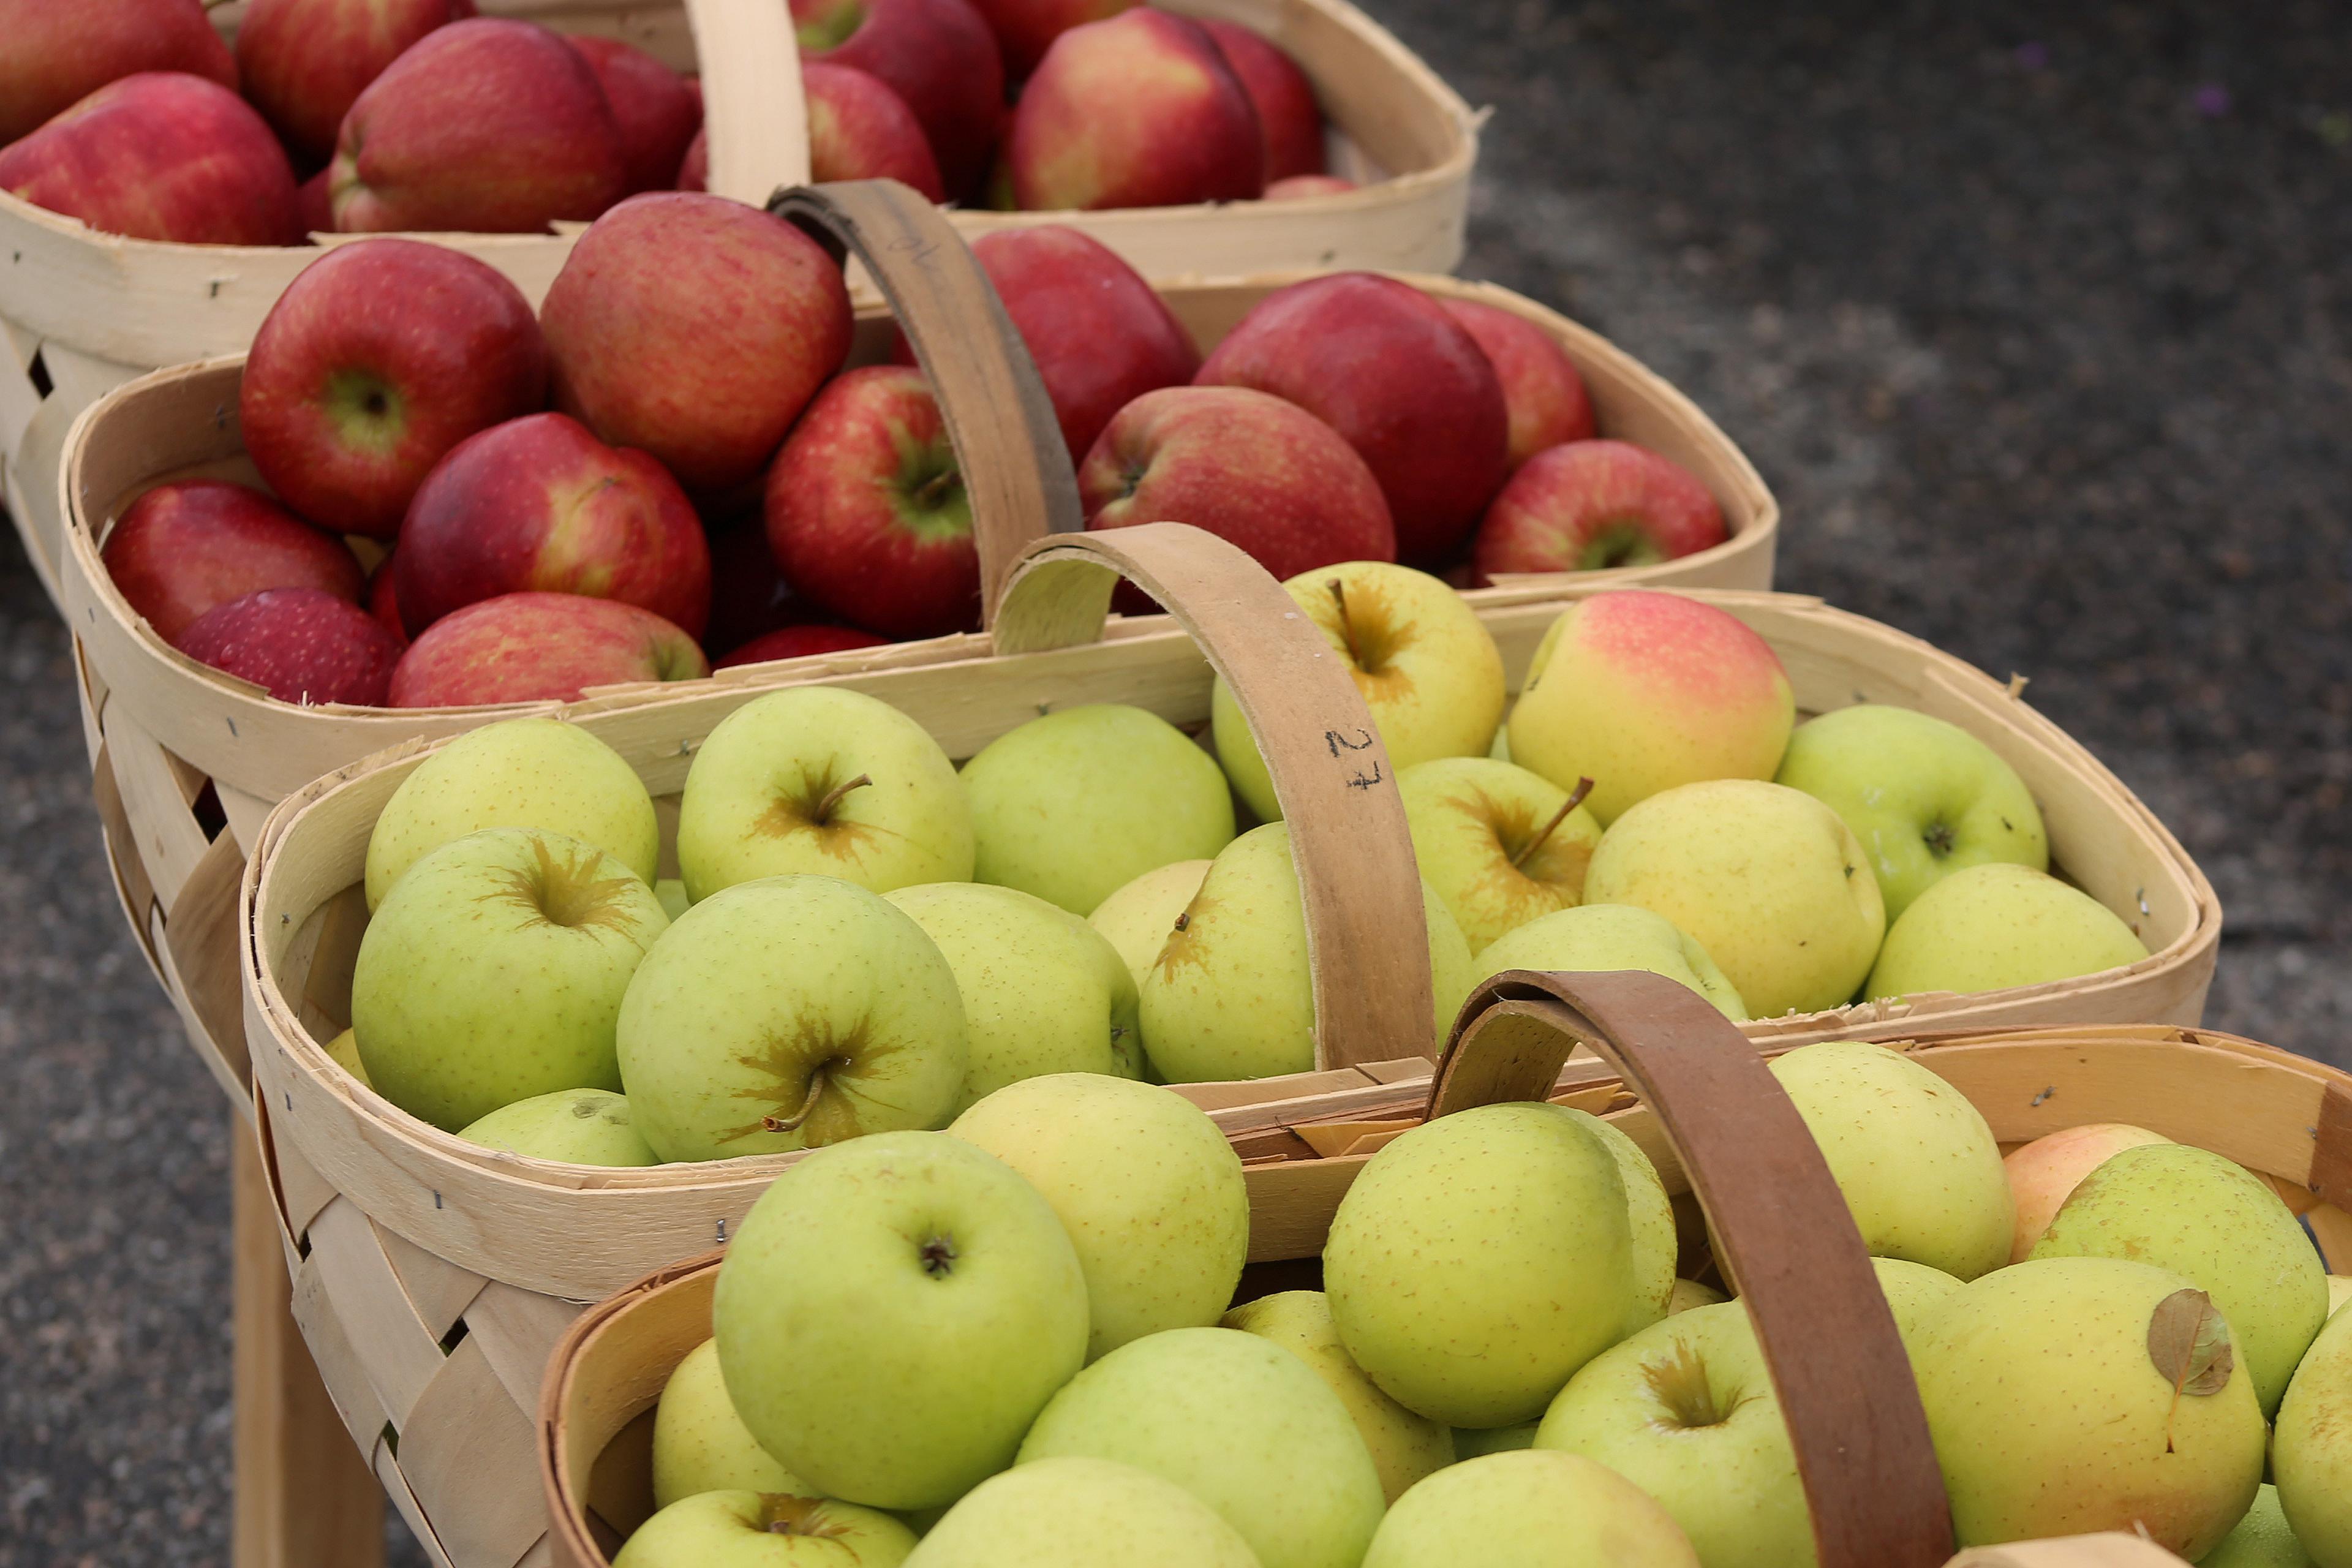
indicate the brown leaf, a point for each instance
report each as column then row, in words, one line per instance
column 2189, row 1341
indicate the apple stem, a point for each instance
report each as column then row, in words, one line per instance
column 799, row 1119
column 1347, row 630
column 932, row 490
column 1575, row 798
column 823, row 813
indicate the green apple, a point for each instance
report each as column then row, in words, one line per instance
column 344, row 1050
column 1685, row 1410
column 790, row 1013
column 1917, row 1164
column 1914, row 1293
column 1405, row 1446
column 1534, row 1509
column 1481, row 1258
column 1081, row 1514
column 495, row 969
column 1613, row 936
column 2262, row 1539
column 1076, row 804
column 1501, row 845
column 1641, row 691
column 1650, row 1217
column 2042, row 1174
column 2054, row 1415
column 2311, row 1454
column 1689, row 1293
column 754, row 1530
column 1925, row 796
column 1993, row 926
column 1240, row 1424
column 1232, row 994
column 1767, row 879
column 1149, row 1189
column 701, row 1445
column 671, row 892
column 1138, row 917
column 893, row 1315
column 817, row 780
column 1426, row 664
column 571, row 1126
column 521, row 773
column 1470, row 1442
column 2225, row 1230
column 2339, row 1291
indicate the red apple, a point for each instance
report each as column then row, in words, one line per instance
column 1140, row 110
column 182, row 549
column 694, row 169
column 304, row 61
column 866, row 510
column 314, row 206
column 302, row 645
column 1546, row 398
column 1248, row 467
column 799, row 642
column 696, row 329
column 1298, row 187
column 486, row 126
column 378, row 357
column 160, row 155
column 58, row 52
column 860, row 130
column 938, row 55
column 382, row 599
column 530, row 647
column 657, row 113
column 539, row 505
column 1287, row 117
column 1383, row 365
column 1590, row 504
column 1025, row 30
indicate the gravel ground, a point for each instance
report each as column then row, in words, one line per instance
column 2037, row 319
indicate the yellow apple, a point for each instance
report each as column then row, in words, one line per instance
column 1997, row 925
column 1613, row 936
column 2042, row 1172
column 1405, row 1446
column 1500, row 844
column 1138, row 917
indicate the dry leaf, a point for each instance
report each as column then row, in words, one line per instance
column 2189, row 1341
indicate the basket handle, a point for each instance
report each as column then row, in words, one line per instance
column 1016, row 468
column 1845, row 1380
column 752, row 108
column 1357, row 884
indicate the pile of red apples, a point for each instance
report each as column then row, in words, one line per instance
column 373, row 116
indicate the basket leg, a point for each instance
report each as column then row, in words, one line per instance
column 305, row 1497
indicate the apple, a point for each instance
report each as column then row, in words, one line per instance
column 1650, row 1218
column 655, row 111
column 301, row 644
column 1915, row 1293
column 1240, row 1422
column 160, row 155
column 1043, row 992
column 894, row 1313
column 494, row 970
column 938, row 55
column 571, row 1126
column 60, row 55
column 187, row 546
column 1261, row 473
column 486, row 125
column 1073, row 805
column 802, row 641
column 1501, row 845
column 1299, row 187
column 1140, row 110
column 860, row 130
column 2310, row 1460
column 379, row 357
column 1592, row 505
column 1024, row 29
column 314, row 204
column 2055, row 1412
column 1479, row 1259
column 694, row 169
column 2043, row 1173
column 1473, row 1442
column 1542, row 387
column 701, row 1445
column 303, row 62
column 757, row 1529
column 1290, row 125
column 2223, row 1229
column 814, row 779
column 697, row 330
column 1768, row 881
column 1231, row 994
column 671, row 892
column 1426, row 666
column 2339, row 1291
column 1611, row 936
column 1535, row 1509
column 1384, row 366
column 1915, row 1162
column 520, row 773
column 1690, row 1293
column 1925, row 796
column 344, row 1050
column 382, row 599
column 1997, row 925
column 1081, row 1514
column 530, row 647
column 1405, row 1446
column 1149, row 1189
column 2261, row 1540
column 1138, row 918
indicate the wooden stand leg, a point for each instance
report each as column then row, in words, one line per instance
column 305, row 1498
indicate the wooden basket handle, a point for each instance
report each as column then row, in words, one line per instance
column 1845, row 1380
column 752, row 109
column 1017, row 467
column 1357, row 884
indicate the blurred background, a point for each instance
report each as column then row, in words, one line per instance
column 2038, row 320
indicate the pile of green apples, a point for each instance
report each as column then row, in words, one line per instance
column 1011, row 1345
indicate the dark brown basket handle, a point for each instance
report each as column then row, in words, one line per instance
column 1016, row 468
column 1358, row 883
column 1844, row 1382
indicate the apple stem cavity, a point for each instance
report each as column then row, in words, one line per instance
column 1940, row 838
column 823, row 813
column 939, row 1256
column 1575, row 798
